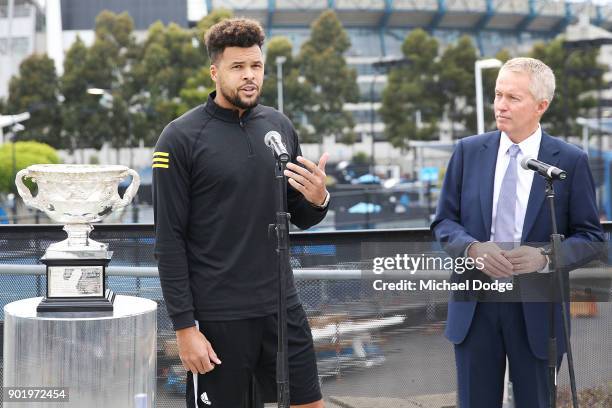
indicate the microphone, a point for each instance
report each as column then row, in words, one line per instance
column 545, row 170
column 274, row 141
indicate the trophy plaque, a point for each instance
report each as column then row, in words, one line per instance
column 77, row 195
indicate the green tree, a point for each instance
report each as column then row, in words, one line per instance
column 114, row 53
column 409, row 90
column 26, row 154
column 106, row 65
column 35, row 89
column 323, row 64
column 197, row 87
column 298, row 96
column 196, row 90
column 489, row 78
column 216, row 16
column 577, row 75
column 361, row 158
column 173, row 68
column 456, row 83
column 81, row 116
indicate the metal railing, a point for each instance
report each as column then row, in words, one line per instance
column 388, row 343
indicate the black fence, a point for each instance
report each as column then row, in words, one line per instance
column 369, row 344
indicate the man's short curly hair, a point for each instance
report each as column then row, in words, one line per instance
column 234, row 32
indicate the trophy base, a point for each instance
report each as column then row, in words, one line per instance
column 61, row 250
column 104, row 304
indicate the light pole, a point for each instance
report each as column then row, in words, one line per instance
column 9, row 36
column 14, row 125
column 280, row 60
column 106, row 100
column 107, row 97
column 18, row 127
column 372, row 120
column 478, row 67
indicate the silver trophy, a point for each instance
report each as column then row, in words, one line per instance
column 77, row 195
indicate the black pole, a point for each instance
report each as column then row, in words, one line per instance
column 599, row 115
column 369, row 205
column 372, row 114
column 281, row 232
column 429, row 201
column 565, row 101
column 557, row 281
column 600, row 164
column 135, row 210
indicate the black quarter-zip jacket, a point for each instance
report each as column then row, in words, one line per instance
column 213, row 198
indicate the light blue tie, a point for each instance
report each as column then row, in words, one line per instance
column 506, row 203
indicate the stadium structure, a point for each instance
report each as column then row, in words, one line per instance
column 376, row 28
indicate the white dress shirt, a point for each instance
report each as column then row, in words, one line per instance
column 529, row 147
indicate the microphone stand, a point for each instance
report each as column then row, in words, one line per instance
column 557, row 281
column 281, row 231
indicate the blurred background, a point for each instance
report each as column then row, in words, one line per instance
column 385, row 86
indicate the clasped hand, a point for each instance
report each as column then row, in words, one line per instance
column 499, row 263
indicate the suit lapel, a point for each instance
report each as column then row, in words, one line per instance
column 548, row 153
column 488, row 160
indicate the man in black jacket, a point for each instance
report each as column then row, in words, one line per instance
column 214, row 197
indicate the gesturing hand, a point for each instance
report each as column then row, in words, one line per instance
column 309, row 181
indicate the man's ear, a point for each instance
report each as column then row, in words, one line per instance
column 542, row 106
column 213, row 72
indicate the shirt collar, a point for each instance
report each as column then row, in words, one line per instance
column 229, row 115
column 529, row 147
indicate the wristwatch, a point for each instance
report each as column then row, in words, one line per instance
column 324, row 205
column 546, row 267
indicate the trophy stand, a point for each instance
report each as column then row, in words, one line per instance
column 76, row 274
column 91, row 294
column 80, row 345
column 84, row 359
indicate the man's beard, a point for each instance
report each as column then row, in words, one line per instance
column 234, row 99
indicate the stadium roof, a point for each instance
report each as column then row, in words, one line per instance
column 549, row 16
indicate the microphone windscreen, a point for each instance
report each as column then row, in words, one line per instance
column 270, row 136
column 525, row 161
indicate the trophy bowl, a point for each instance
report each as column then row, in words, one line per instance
column 77, row 195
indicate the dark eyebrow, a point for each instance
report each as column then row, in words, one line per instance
column 245, row 62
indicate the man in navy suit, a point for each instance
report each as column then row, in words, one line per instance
column 487, row 202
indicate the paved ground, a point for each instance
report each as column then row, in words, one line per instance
column 429, row 401
column 419, row 368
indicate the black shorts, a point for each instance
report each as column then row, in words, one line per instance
column 247, row 350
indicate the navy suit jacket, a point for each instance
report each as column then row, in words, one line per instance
column 464, row 215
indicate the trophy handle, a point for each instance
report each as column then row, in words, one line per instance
column 23, row 191
column 132, row 189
